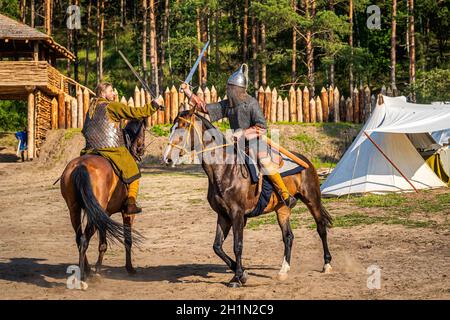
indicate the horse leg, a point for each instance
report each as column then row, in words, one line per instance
column 222, row 230
column 102, row 246
column 84, row 239
column 283, row 214
column 323, row 220
column 127, row 225
column 238, row 243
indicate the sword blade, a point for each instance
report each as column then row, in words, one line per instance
column 143, row 83
column 194, row 67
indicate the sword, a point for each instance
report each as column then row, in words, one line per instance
column 194, row 67
column 143, row 83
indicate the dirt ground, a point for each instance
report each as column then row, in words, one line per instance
column 176, row 260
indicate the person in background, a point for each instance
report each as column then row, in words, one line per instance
column 22, row 136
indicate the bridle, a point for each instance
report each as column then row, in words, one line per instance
column 192, row 124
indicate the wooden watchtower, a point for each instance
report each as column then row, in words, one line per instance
column 28, row 72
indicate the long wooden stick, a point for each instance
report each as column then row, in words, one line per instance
column 390, row 161
column 286, row 152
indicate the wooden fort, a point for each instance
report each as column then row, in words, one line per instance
column 28, row 72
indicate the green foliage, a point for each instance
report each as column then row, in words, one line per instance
column 433, row 85
column 13, row 115
column 161, row 130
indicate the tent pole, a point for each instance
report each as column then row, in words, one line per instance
column 390, row 161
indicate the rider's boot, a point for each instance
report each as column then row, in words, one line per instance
column 282, row 190
column 131, row 207
column 271, row 169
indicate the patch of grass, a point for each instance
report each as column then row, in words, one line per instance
column 380, row 201
column 8, row 139
column 70, row 133
column 356, row 219
column 161, row 130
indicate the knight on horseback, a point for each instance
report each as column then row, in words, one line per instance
column 104, row 136
column 246, row 120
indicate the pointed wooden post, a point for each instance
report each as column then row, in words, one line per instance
column 116, row 95
column 131, row 102
column 367, row 103
column 324, row 101
column 306, row 117
column 319, row 110
column 299, row 104
column 124, row 101
column 389, row 92
column 292, row 105
column 200, row 94
column 361, row 104
column 355, row 101
column 286, row 110
column 174, row 103
column 336, row 99
column 80, row 113
column 312, row 110
column 207, row 95
column 273, row 108
column 86, row 102
column 330, row 103
column 342, row 109
column 267, row 103
column 137, row 97
column 279, row 109
column 349, row 109
column 260, row 98
column 161, row 113
column 142, row 97
column 213, row 94
column 181, row 98
column 168, row 105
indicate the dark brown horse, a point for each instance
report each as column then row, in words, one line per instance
column 89, row 183
column 232, row 195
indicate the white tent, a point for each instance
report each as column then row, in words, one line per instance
column 382, row 158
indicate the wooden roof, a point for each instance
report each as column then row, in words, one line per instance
column 14, row 30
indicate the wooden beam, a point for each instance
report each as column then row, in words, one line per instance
column 30, row 124
column 61, row 111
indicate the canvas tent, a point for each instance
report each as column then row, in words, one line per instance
column 382, row 158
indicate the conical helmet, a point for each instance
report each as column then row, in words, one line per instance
column 239, row 77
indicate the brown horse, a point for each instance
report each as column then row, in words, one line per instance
column 89, row 183
column 232, row 195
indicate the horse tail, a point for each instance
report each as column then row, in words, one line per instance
column 326, row 216
column 96, row 215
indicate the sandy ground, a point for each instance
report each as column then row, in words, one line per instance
column 176, row 260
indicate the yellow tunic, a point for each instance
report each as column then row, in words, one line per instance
column 121, row 159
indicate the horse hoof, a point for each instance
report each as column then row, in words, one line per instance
column 282, row 276
column 244, row 277
column 235, row 282
column 327, row 268
column 83, row 286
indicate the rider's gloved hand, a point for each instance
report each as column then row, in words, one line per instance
column 158, row 104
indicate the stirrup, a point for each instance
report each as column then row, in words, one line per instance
column 290, row 202
column 132, row 209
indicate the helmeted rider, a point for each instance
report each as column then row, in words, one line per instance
column 103, row 132
column 247, row 120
